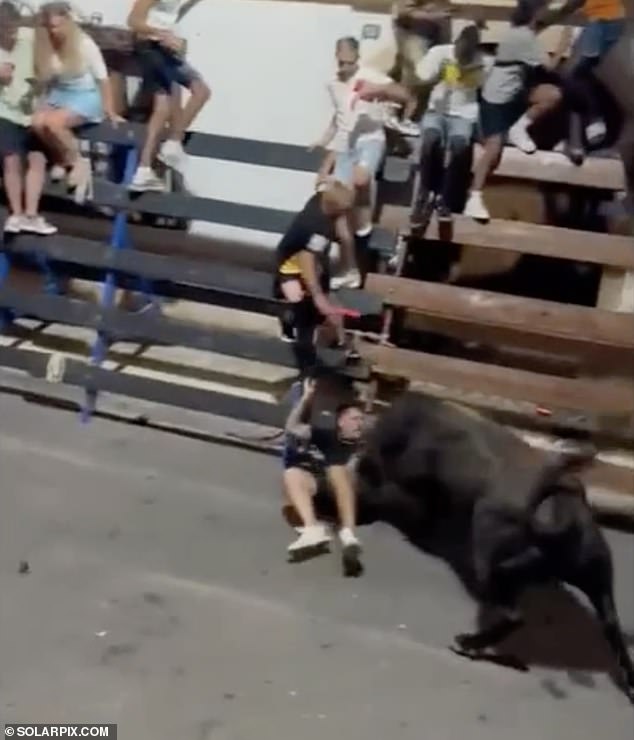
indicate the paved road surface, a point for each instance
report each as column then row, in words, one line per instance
column 160, row 598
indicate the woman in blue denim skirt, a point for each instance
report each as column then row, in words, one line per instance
column 72, row 74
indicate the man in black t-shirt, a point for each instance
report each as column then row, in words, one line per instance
column 301, row 268
column 308, row 476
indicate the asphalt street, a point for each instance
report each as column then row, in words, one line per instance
column 159, row 598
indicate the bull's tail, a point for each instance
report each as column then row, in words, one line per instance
column 565, row 463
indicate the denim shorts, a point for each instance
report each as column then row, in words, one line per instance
column 161, row 69
column 449, row 127
column 598, row 37
column 366, row 153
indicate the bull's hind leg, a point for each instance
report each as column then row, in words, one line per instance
column 595, row 579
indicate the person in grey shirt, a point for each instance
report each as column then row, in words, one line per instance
column 514, row 95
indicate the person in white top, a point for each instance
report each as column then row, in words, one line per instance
column 70, row 68
column 457, row 72
column 21, row 153
column 355, row 138
column 161, row 53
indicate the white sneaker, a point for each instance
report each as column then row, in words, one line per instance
column 38, row 225
column 13, row 224
column 145, row 180
column 349, row 279
column 57, row 173
column 173, row 155
column 406, row 126
column 595, row 132
column 315, row 537
column 475, row 207
column 351, row 553
column 518, row 136
column 349, row 539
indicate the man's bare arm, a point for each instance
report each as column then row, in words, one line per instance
column 298, row 421
column 327, row 136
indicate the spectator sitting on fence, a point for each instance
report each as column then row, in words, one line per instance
column 302, row 274
column 17, row 141
column 355, row 139
column 71, row 69
column 162, row 56
column 458, row 71
column 514, row 96
column 604, row 26
column 309, row 484
column 418, row 26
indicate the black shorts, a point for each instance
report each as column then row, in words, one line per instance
column 16, row 139
column 161, row 69
column 497, row 118
column 303, row 315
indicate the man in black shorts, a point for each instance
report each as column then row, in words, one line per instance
column 161, row 53
column 301, row 269
column 311, row 481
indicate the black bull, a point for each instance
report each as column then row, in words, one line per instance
column 520, row 515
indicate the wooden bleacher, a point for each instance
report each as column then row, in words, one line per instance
column 119, row 265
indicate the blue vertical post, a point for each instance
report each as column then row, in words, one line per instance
column 119, row 240
column 5, row 315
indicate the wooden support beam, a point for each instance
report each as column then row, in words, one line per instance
column 497, row 318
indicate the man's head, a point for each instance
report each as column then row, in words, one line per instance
column 337, row 199
column 347, row 55
column 467, row 44
column 9, row 22
column 350, row 421
column 528, row 12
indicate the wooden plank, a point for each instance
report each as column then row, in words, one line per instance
column 214, row 146
column 208, row 280
column 81, row 375
column 552, row 167
column 487, row 316
column 547, row 241
column 600, row 397
column 157, row 329
column 184, row 206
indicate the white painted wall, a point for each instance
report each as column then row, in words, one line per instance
column 267, row 64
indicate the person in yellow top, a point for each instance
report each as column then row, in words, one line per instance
column 17, row 142
column 605, row 22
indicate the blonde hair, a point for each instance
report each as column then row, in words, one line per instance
column 69, row 52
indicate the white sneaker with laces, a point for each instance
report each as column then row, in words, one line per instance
column 146, row 180
column 315, row 537
column 173, row 155
column 475, row 207
column 349, row 279
column 38, row 225
column 595, row 132
column 57, row 173
column 518, row 136
column 349, row 540
column 13, row 224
